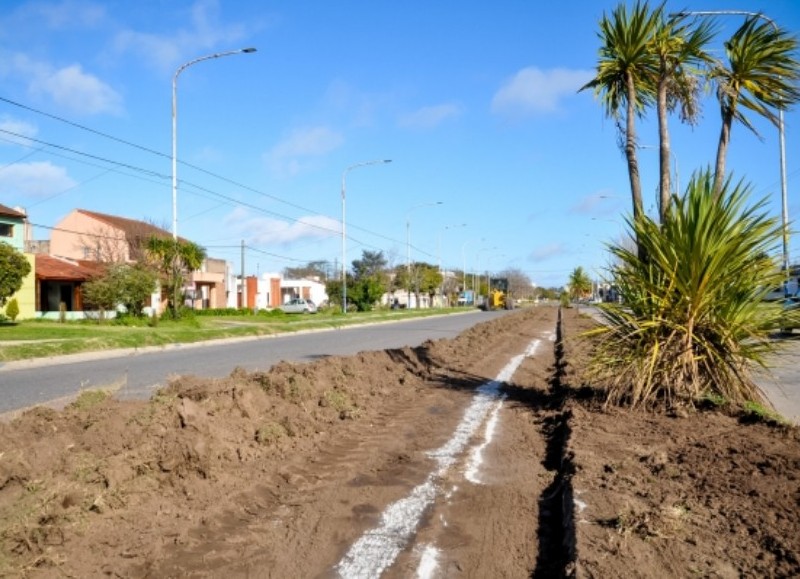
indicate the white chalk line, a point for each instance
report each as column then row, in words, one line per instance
column 378, row 548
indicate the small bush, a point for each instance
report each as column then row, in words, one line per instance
column 270, row 433
column 12, row 309
column 341, row 402
column 89, row 398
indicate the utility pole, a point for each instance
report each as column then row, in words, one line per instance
column 244, row 281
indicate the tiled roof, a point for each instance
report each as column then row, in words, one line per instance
column 131, row 227
column 49, row 267
column 9, row 212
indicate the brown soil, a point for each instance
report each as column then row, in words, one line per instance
column 280, row 474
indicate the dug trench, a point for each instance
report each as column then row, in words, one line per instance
column 443, row 460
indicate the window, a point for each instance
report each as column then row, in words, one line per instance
column 6, row 230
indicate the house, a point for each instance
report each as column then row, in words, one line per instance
column 14, row 227
column 208, row 287
column 271, row 290
column 15, row 230
column 59, row 282
column 88, row 235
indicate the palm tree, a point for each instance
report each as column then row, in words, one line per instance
column 680, row 49
column 762, row 77
column 174, row 258
column 580, row 284
column 692, row 319
column 625, row 78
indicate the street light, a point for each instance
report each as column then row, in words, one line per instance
column 408, row 248
column 175, row 128
column 781, row 134
column 344, row 225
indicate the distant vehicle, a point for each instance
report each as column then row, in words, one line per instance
column 466, row 298
column 299, row 306
column 499, row 297
column 791, row 314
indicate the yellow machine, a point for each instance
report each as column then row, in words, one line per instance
column 498, row 298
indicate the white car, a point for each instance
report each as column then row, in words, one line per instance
column 299, row 306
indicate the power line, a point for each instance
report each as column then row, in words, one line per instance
column 183, row 163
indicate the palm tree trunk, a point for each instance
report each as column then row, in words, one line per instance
column 663, row 151
column 630, row 153
column 722, row 151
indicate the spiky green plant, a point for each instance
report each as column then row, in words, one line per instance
column 692, row 321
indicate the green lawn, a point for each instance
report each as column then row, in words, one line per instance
column 36, row 338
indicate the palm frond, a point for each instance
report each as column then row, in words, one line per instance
column 693, row 319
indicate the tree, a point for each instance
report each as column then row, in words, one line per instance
column 312, row 270
column 175, row 259
column 124, row 285
column 761, row 77
column 625, row 78
column 14, row 268
column 371, row 263
column 333, row 288
column 519, row 284
column 369, row 280
column 419, row 277
column 101, row 293
column 680, row 50
column 580, row 284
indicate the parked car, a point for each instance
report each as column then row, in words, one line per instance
column 791, row 314
column 299, row 306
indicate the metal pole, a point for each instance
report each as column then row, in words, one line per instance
column 344, row 225
column 175, row 126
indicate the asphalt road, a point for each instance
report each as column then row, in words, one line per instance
column 137, row 373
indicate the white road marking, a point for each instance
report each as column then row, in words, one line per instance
column 378, row 548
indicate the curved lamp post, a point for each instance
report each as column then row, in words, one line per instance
column 781, row 134
column 344, row 224
column 181, row 68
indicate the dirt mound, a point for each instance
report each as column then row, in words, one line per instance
column 277, row 473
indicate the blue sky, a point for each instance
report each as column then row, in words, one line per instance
column 497, row 161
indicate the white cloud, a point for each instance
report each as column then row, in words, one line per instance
column 69, row 87
column 78, row 91
column 533, row 91
column 205, row 31
column 271, row 231
column 17, row 127
column 429, row 117
column 296, row 152
column 69, row 14
column 597, row 203
column 38, row 179
column 545, row 252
